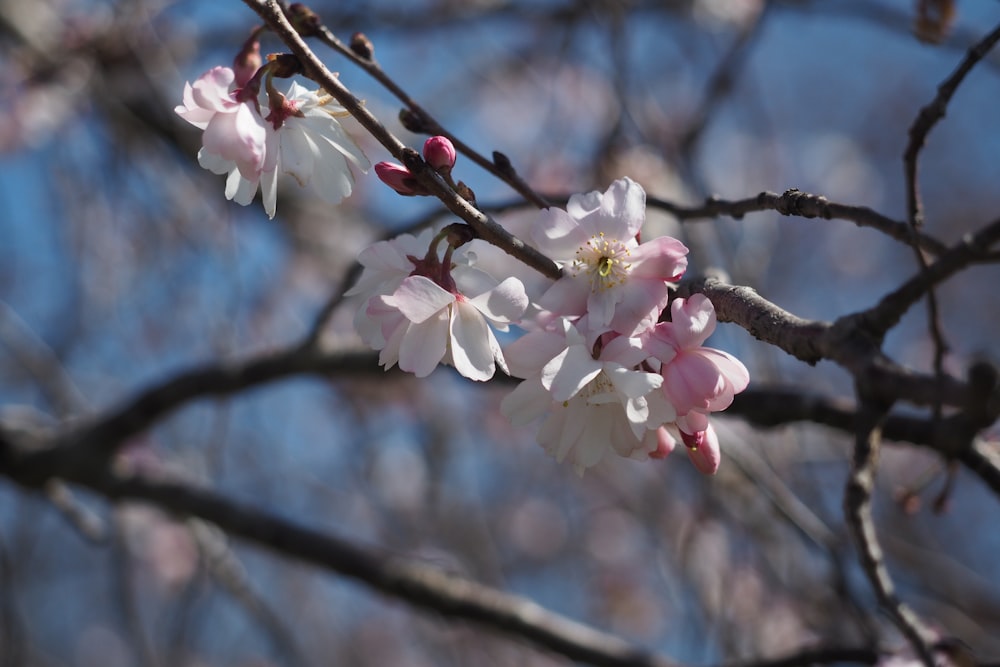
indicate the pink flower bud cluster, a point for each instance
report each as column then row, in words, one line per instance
column 439, row 153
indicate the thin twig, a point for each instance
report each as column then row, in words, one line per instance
column 857, row 506
column 879, row 319
column 425, row 122
column 804, row 205
column 485, row 227
column 925, row 121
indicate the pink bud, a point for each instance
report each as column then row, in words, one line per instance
column 665, row 444
column 440, row 154
column 703, row 450
column 399, row 178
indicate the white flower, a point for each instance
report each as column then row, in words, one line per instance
column 589, row 405
column 617, row 282
column 423, row 324
column 385, row 265
column 303, row 139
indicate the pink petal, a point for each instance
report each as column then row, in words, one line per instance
column 662, row 258
column 693, row 320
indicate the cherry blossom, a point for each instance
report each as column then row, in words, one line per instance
column 309, row 144
column 422, row 309
column 424, row 324
column 254, row 141
column 695, row 378
column 619, row 283
column 589, row 405
column 234, row 131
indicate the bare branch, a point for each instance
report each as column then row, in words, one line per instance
column 972, row 248
column 857, row 506
column 804, row 205
column 420, row 585
column 486, row 227
column 422, row 121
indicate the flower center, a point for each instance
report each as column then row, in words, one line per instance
column 605, row 260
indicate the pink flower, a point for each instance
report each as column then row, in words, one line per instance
column 695, row 378
column 703, row 450
column 235, row 132
column 385, row 265
column 619, row 283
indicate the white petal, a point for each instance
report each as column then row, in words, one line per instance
column 526, row 403
column 569, row 372
column 420, row 298
column 505, row 303
column 471, row 352
column 424, row 345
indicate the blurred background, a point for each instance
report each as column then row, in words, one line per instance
column 121, row 263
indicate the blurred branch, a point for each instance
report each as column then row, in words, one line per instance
column 721, row 81
column 86, row 444
column 857, row 506
column 11, row 626
column 954, row 436
column 31, row 352
column 418, row 584
column 225, row 568
column 124, row 594
column 817, row 656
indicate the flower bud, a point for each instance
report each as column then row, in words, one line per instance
column 361, row 46
column 399, row 178
column 703, row 450
column 440, row 154
column 306, row 22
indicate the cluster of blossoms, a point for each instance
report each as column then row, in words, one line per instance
column 253, row 133
column 599, row 367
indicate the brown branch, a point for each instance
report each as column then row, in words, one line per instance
column 804, row 205
column 971, row 249
column 420, row 585
column 486, row 227
column 857, row 507
column 762, row 319
column 818, row 656
column 925, row 121
column 953, row 437
column 844, row 342
column 930, row 115
column 419, row 119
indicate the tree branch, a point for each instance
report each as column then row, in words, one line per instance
column 486, row 227
column 857, row 506
column 794, row 203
